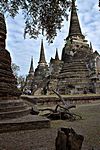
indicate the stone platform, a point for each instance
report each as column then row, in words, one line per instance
column 53, row 99
column 29, row 122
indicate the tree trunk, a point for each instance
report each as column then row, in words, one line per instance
column 68, row 139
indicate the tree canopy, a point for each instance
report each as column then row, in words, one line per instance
column 41, row 16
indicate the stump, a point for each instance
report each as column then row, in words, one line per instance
column 68, row 139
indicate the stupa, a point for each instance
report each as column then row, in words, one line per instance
column 78, row 71
column 40, row 73
column 54, row 69
column 29, row 78
column 81, row 66
column 11, row 106
column 14, row 112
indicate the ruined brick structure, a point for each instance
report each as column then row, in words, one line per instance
column 54, row 67
column 10, row 104
column 78, row 71
column 15, row 113
column 30, row 77
column 40, row 72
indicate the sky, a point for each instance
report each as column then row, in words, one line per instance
column 22, row 50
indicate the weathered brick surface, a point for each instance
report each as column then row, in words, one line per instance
column 8, row 83
column 28, row 122
column 55, row 100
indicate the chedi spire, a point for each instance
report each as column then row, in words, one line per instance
column 42, row 55
column 2, row 31
column 56, row 56
column 31, row 70
column 74, row 29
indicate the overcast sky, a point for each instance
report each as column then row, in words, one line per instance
column 22, row 50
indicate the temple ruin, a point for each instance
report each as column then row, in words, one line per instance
column 15, row 113
column 78, row 71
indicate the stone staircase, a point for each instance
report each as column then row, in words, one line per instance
column 41, row 84
column 12, row 109
column 15, row 114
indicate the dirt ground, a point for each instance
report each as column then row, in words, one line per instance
column 89, row 126
column 44, row 139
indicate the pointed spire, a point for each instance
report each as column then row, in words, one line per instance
column 91, row 46
column 31, row 70
column 74, row 29
column 42, row 55
column 3, row 31
column 56, row 56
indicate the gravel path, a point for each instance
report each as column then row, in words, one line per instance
column 44, row 139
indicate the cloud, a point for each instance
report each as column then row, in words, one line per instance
column 89, row 17
column 22, row 49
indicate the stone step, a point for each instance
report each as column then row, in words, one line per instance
column 78, row 69
column 75, row 63
column 28, row 122
column 72, row 83
column 73, row 75
column 75, row 72
column 15, row 114
column 74, row 66
column 7, row 80
column 71, row 78
column 5, row 72
column 11, row 103
column 15, row 108
column 9, row 91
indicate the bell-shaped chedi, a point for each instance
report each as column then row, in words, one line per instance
column 10, row 104
column 29, row 79
column 78, row 74
column 75, row 29
column 40, row 71
column 8, row 88
column 2, row 31
column 15, row 114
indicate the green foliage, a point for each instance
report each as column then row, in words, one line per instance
column 15, row 69
column 21, row 80
column 41, row 16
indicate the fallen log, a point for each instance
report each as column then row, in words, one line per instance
column 65, row 108
column 61, row 113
